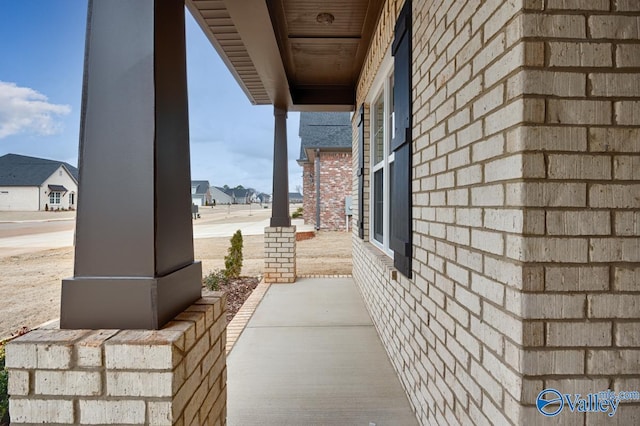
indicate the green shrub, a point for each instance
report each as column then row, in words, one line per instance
column 233, row 259
column 215, row 279
column 4, row 393
column 297, row 214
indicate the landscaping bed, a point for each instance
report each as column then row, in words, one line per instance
column 238, row 290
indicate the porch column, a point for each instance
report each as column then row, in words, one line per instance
column 134, row 263
column 280, row 237
column 280, row 213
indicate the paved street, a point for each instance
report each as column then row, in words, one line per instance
column 25, row 237
column 39, row 232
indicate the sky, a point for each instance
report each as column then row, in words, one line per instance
column 41, row 64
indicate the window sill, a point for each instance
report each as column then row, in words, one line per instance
column 376, row 245
column 383, row 259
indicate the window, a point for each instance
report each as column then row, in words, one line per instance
column 72, row 198
column 382, row 157
column 401, row 238
column 390, row 140
column 54, row 198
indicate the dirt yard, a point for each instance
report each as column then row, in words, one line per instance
column 30, row 283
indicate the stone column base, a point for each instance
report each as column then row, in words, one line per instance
column 280, row 254
column 172, row 376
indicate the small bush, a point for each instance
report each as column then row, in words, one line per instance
column 215, row 279
column 233, row 260
column 4, row 392
column 297, row 214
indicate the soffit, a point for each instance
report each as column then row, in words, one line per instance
column 280, row 54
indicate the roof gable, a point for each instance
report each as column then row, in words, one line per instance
column 202, row 186
column 295, row 196
column 324, row 130
column 20, row 170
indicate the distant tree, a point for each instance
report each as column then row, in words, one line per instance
column 239, row 187
column 226, row 187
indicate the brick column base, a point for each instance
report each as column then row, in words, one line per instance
column 176, row 375
column 280, row 254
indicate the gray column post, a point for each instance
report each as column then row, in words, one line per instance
column 280, row 212
column 134, row 264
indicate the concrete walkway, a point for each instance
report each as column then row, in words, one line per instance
column 311, row 356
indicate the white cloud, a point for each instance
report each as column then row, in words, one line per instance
column 24, row 110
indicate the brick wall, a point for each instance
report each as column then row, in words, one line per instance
column 583, row 247
column 280, row 254
column 308, row 193
column 335, row 185
column 176, row 375
column 526, row 249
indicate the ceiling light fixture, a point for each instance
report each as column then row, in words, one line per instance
column 325, row 18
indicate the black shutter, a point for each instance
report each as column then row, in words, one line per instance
column 361, row 173
column 400, row 238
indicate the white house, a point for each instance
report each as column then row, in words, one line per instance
column 200, row 192
column 32, row 184
column 219, row 196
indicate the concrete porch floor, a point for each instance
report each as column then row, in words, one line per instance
column 310, row 355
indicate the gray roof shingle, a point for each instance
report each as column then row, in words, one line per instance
column 202, row 186
column 20, row 170
column 324, row 130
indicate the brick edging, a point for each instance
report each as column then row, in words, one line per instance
column 325, row 276
column 242, row 317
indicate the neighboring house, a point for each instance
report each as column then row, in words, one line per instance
column 295, row 198
column 200, row 193
column 264, row 198
column 32, row 184
column 325, row 157
column 218, row 196
column 242, row 195
column 495, row 180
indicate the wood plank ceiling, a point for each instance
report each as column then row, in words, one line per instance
column 322, row 46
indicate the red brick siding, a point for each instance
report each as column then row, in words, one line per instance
column 335, row 185
column 308, row 193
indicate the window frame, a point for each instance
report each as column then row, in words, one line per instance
column 381, row 87
column 52, row 197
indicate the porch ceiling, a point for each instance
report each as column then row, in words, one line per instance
column 281, row 54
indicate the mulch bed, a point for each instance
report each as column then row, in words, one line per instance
column 238, row 290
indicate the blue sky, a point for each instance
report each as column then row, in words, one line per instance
column 41, row 62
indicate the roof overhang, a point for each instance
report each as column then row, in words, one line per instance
column 281, row 53
column 310, row 152
column 57, row 188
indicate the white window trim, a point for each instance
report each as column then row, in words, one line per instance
column 53, row 203
column 381, row 85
